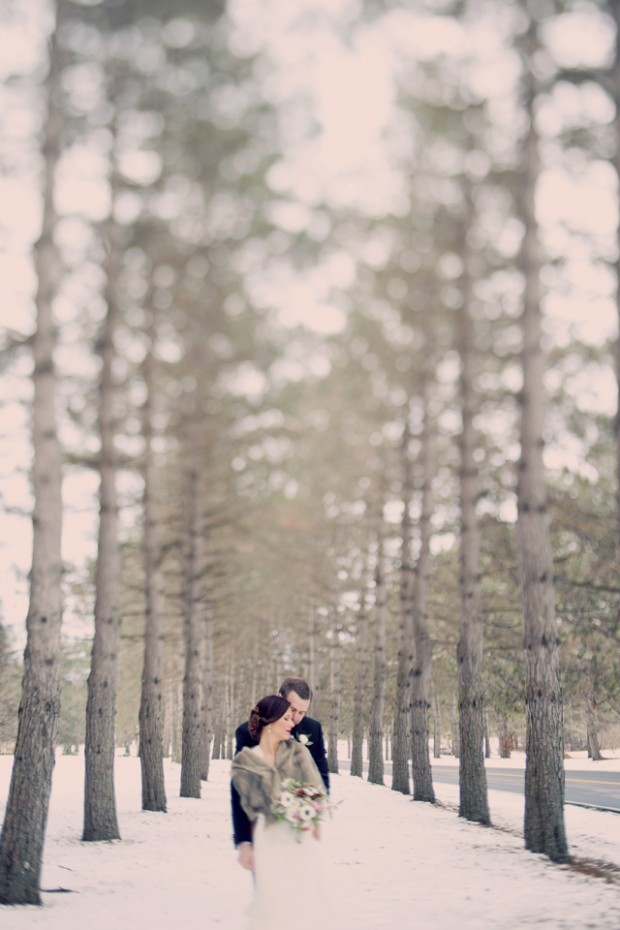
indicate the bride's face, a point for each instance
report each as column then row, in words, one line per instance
column 282, row 727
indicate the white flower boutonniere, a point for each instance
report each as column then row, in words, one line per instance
column 304, row 739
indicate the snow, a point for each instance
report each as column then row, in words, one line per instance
column 389, row 862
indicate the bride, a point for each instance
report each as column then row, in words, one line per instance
column 282, row 855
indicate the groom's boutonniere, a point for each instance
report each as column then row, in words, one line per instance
column 304, row 739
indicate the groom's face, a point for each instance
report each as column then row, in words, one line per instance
column 299, row 707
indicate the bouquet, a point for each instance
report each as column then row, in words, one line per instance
column 301, row 805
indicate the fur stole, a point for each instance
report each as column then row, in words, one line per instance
column 260, row 784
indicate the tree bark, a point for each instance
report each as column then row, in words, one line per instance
column 454, row 729
column 473, row 803
column 594, row 749
column 402, row 714
column 361, row 668
column 436, row 724
column 207, row 694
column 176, row 720
column 228, row 739
column 375, row 736
column 313, row 645
column 422, row 664
column 100, row 821
column 335, row 663
column 192, row 628
column 25, row 820
column 504, row 739
column 150, row 715
column 591, row 688
column 614, row 11
column 487, row 741
column 544, row 772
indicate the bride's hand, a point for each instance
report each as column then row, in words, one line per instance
column 246, row 856
column 316, row 831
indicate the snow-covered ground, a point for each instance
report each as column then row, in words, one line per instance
column 390, row 862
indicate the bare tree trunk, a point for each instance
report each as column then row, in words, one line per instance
column 375, row 736
column 473, row 804
column 25, row 820
column 192, row 626
column 505, row 740
column 454, row 727
column 207, row 693
column 544, row 772
column 218, row 736
column 228, row 716
column 361, row 668
column 614, row 10
column 334, row 696
column 401, row 741
column 150, row 716
column 594, row 749
column 422, row 664
column 436, row 723
column 100, row 821
column 313, row 649
column 167, row 723
column 176, row 698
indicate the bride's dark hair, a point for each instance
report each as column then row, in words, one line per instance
column 268, row 710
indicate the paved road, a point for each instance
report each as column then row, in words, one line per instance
column 593, row 789
column 589, row 789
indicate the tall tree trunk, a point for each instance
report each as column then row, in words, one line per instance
column 207, row 694
column 487, row 741
column 591, row 687
column 436, row 723
column 218, row 736
column 375, row 736
column 192, row 629
column 228, row 739
column 150, row 715
column 401, row 741
column 594, row 749
column 100, row 821
column 25, row 820
column 335, row 662
column 176, row 721
column 504, row 739
column 454, row 729
column 473, row 804
column 544, row 771
column 313, row 645
column 361, row 669
column 614, row 10
column 422, row 664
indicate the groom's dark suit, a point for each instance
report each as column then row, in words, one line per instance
column 242, row 829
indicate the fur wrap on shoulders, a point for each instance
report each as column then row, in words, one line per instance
column 260, row 784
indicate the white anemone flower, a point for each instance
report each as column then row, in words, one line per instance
column 307, row 813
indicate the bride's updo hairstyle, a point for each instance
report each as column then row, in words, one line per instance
column 268, row 710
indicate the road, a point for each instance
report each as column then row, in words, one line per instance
column 590, row 789
column 587, row 789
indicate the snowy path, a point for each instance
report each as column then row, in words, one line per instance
column 390, row 863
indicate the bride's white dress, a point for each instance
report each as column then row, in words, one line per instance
column 283, row 866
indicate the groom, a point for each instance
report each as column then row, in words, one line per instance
column 308, row 731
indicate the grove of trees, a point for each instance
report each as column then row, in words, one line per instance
column 361, row 430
